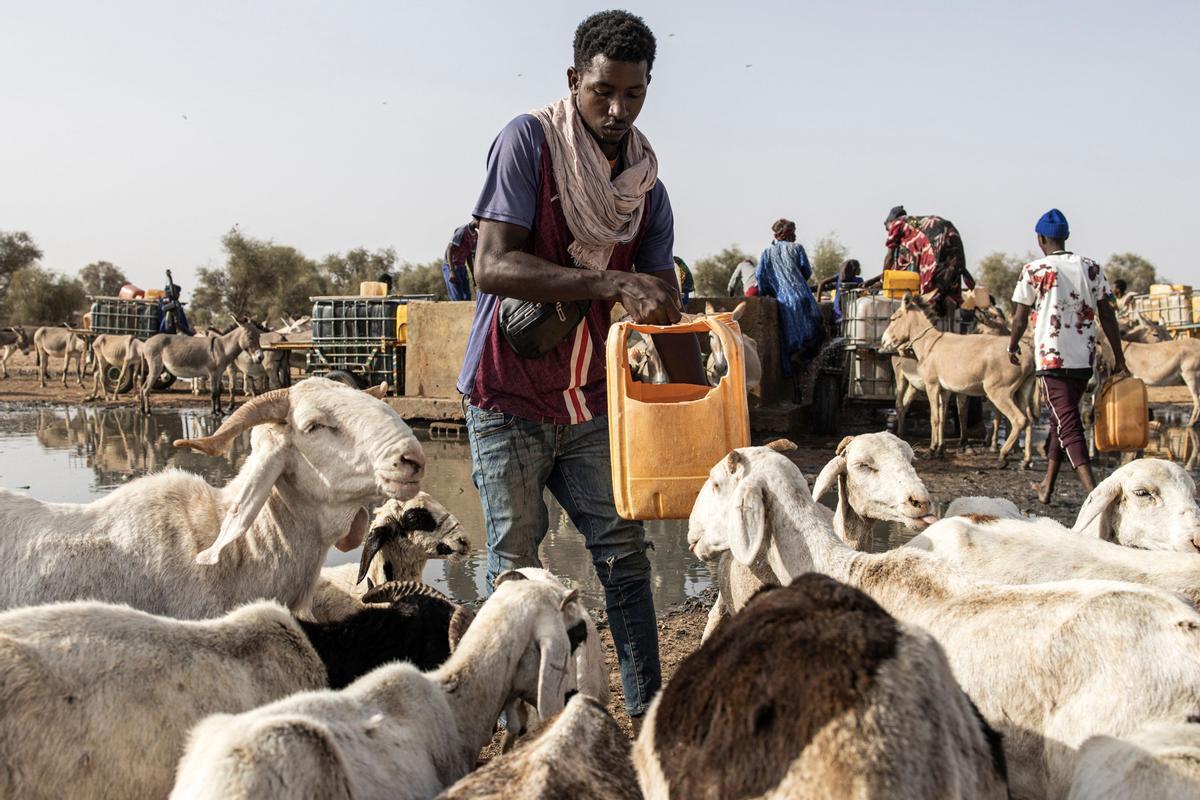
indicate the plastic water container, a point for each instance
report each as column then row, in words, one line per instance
column 153, row 294
column 1122, row 416
column 869, row 318
column 666, row 437
column 372, row 289
column 899, row 282
column 130, row 292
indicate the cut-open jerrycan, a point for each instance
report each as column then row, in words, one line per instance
column 1122, row 418
column 666, row 437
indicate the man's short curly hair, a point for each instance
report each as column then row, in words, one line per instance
column 618, row 35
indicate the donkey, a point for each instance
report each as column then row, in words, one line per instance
column 964, row 364
column 110, row 350
column 15, row 338
column 1163, row 364
column 1142, row 330
column 198, row 357
column 61, row 343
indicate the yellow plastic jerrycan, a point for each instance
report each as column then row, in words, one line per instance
column 1122, row 419
column 666, row 437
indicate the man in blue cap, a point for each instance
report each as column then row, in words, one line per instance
column 1065, row 293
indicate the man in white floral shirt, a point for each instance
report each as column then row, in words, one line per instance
column 1065, row 293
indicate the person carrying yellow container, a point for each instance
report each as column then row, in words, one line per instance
column 570, row 204
column 1064, row 294
column 931, row 247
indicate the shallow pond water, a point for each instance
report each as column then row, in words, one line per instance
column 77, row 454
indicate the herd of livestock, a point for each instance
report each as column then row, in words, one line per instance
column 179, row 639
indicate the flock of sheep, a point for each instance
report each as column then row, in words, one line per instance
column 177, row 639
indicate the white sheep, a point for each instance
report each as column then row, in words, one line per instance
column 1160, row 760
column 581, row 755
column 591, row 672
column 98, row 698
column 1040, row 551
column 1148, row 503
column 1043, row 662
column 987, row 506
column 403, row 536
column 396, row 733
column 813, row 692
column 320, row 452
column 875, row 480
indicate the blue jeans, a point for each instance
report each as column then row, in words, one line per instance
column 514, row 460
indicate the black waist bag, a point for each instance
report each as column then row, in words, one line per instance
column 534, row 329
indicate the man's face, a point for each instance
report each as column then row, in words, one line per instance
column 609, row 95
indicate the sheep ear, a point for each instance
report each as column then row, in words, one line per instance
column 378, row 392
column 782, row 445
column 353, row 537
column 732, row 462
column 377, row 537
column 569, row 597
column 258, row 480
column 508, row 575
column 1098, row 504
column 748, row 526
column 552, row 672
column 830, row 473
column 843, row 444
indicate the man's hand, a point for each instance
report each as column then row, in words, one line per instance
column 1015, row 357
column 1120, row 370
column 649, row 300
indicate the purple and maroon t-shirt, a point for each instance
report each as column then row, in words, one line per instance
column 567, row 385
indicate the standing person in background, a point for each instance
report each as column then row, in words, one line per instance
column 572, row 210
column 783, row 273
column 684, row 276
column 458, row 262
column 849, row 276
column 1123, row 299
column 744, row 272
column 932, row 247
column 1064, row 293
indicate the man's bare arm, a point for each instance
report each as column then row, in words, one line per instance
column 503, row 268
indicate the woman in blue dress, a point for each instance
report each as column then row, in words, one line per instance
column 783, row 273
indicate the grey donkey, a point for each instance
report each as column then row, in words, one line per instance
column 198, row 357
column 60, row 343
column 14, row 338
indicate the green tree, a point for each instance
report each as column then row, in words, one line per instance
column 827, row 257
column 260, row 278
column 38, row 296
column 711, row 274
column 344, row 273
column 999, row 272
column 420, row 279
column 102, row 278
column 1134, row 270
column 17, row 251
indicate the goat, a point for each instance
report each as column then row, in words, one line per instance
column 320, row 452
column 396, row 733
column 1043, row 662
column 135, row 683
column 581, row 754
column 199, row 357
column 1023, row 551
column 950, row 363
column 591, row 672
column 1148, row 503
column 1160, row 760
column 717, row 364
column 814, row 691
column 402, row 537
column 875, row 480
column 11, row 339
column 61, row 343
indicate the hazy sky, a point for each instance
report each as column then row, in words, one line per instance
column 139, row 132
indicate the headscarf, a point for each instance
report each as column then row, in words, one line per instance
column 601, row 211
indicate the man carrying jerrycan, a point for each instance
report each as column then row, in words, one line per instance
column 1065, row 293
column 570, row 204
